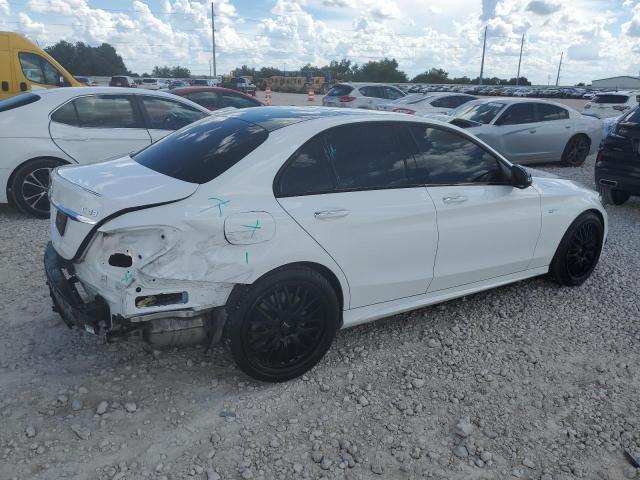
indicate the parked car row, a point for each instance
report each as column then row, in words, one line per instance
column 506, row 90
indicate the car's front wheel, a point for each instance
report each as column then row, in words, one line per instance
column 282, row 325
column 579, row 250
column 30, row 185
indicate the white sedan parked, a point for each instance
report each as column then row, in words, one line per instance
column 428, row 104
column 529, row 131
column 43, row 130
column 281, row 225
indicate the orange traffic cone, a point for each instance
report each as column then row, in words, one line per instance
column 311, row 96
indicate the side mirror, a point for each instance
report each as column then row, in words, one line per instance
column 520, row 177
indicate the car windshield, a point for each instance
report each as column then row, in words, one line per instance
column 611, row 98
column 412, row 99
column 479, row 112
column 203, row 150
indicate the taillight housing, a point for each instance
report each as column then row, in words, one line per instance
column 346, row 99
column 620, row 108
column 404, row 110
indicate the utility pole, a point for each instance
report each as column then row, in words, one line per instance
column 520, row 61
column 213, row 43
column 484, row 46
column 559, row 66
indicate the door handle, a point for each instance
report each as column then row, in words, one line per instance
column 532, row 131
column 567, row 126
column 331, row 214
column 5, row 86
column 454, row 199
column 23, row 87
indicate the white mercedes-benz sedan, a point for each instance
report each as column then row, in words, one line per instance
column 48, row 128
column 531, row 131
column 277, row 226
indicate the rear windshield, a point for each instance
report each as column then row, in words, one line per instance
column 610, row 99
column 340, row 90
column 413, row 99
column 118, row 79
column 201, row 151
column 149, row 80
column 632, row 117
column 18, row 101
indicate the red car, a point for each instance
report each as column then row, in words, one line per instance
column 214, row 98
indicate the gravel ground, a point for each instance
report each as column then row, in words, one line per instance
column 525, row 381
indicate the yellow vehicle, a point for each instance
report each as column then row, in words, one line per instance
column 24, row 66
column 299, row 84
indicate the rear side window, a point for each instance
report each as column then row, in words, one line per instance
column 547, row 112
column 446, row 158
column 206, row 99
column 445, row 102
column 204, row 150
column 307, row 173
column 18, row 101
column 610, row 98
column 107, row 111
column 367, row 156
column 237, row 101
column 393, row 93
column 517, row 113
column 340, row 91
column 66, row 114
column 376, row 92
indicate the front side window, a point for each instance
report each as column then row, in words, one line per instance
column 518, row 114
column 107, row 111
column 204, row 150
column 367, row 156
column 446, row 158
column 39, row 70
column 307, row 173
column 548, row 112
column 169, row 115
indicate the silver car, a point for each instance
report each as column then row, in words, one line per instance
column 530, row 131
column 361, row 95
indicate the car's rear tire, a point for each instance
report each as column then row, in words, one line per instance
column 613, row 196
column 30, row 185
column 579, row 250
column 283, row 324
column 576, row 151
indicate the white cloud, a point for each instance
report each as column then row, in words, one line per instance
column 543, row 7
column 29, row 27
column 4, row 7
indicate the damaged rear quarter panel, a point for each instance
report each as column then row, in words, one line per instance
column 195, row 255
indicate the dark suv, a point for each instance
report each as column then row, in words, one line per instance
column 122, row 81
column 618, row 162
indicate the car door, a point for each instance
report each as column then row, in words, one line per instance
column 348, row 188
column 164, row 116
column 486, row 227
column 514, row 133
column 92, row 128
column 373, row 96
column 554, row 128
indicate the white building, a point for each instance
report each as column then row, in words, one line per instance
column 623, row 82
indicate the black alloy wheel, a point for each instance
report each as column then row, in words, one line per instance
column 282, row 325
column 30, row 187
column 579, row 251
column 576, row 151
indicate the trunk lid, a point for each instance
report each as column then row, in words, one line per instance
column 83, row 197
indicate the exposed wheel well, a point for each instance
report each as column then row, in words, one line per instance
column 13, row 174
column 598, row 213
column 582, row 135
column 321, row 269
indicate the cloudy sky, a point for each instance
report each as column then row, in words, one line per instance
column 599, row 38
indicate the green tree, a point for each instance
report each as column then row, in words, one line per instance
column 435, row 75
column 180, row 72
column 82, row 59
column 379, row 71
column 162, row 72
